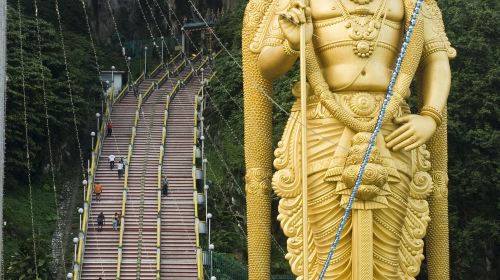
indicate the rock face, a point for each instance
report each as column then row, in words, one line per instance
column 130, row 20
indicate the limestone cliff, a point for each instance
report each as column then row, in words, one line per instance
column 130, row 20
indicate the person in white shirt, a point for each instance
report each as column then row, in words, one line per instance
column 120, row 169
column 111, row 161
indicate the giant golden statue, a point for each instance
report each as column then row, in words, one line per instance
column 351, row 49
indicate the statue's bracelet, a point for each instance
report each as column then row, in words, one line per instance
column 433, row 113
column 289, row 50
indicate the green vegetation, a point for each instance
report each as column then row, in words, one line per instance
column 473, row 139
column 18, row 254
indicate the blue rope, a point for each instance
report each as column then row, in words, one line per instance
column 395, row 73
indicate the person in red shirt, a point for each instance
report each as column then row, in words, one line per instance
column 110, row 127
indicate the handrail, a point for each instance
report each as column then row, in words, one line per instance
column 192, row 72
column 195, row 196
column 149, row 91
column 125, row 187
column 198, row 55
column 96, row 152
column 178, row 68
column 155, row 71
column 139, row 79
column 218, row 53
column 175, row 58
column 160, row 174
column 121, row 94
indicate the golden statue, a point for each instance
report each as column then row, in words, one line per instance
column 351, row 47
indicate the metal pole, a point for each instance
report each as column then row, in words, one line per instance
column 84, row 183
column 183, row 40
column 162, row 61
column 129, row 75
column 145, row 61
column 80, row 212
column 209, row 241
column 112, row 83
column 93, row 135
column 211, row 249
column 75, row 241
column 3, row 80
column 98, row 115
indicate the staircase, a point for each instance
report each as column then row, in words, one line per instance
column 140, row 235
column 178, row 240
column 101, row 247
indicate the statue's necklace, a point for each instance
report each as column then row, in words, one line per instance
column 363, row 30
column 361, row 2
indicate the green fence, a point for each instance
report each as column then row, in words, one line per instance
column 136, row 47
column 226, row 267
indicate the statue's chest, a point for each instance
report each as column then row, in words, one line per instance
column 329, row 9
column 361, row 25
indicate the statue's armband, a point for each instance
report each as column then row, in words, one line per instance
column 434, row 32
column 269, row 32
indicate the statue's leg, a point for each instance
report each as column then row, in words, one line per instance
column 388, row 222
column 325, row 213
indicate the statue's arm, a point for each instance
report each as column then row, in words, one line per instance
column 435, row 80
column 435, row 68
column 276, row 61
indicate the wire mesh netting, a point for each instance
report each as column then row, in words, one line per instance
column 226, row 267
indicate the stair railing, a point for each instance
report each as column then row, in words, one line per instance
column 200, row 98
column 160, row 175
column 125, row 187
column 96, row 153
column 199, row 251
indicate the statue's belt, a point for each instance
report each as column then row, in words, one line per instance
column 360, row 104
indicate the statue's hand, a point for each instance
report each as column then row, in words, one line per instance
column 414, row 131
column 290, row 21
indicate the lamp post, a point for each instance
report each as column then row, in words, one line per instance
column 129, row 74
column 80, row 212
column 205, row 189
column 162, row 39
column 145, row 61
column 97, row 116
column 211, row 247
column 75, row 242
column 112, row 82
column 205, row 161
column 84, row 183
column 93, row 136
column 183, row 41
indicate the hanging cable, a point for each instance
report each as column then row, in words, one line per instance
column 147, row 25
column 157, row 25
column 47, row 126
column 28, row 162
column 84, row 7
column 218, row 152
column 119, row 38
column 70, row 91
column 194, row 45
